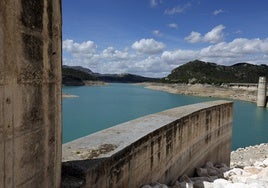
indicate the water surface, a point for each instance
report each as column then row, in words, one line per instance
column 100, row 107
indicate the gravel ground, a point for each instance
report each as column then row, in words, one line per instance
column 249, row 169
column 248, row 156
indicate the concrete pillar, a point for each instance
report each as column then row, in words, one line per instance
column 261, row 98
column 30, row 93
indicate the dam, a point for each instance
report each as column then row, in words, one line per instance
column 158, row 147
column 174, row 141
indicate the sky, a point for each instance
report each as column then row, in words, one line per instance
column 152, row 37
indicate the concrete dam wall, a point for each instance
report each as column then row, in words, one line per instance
column 158, row 147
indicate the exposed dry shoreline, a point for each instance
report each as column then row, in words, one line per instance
column 237, row 93
column 66, row 95
column 249, row 168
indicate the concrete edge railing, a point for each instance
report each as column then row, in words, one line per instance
column 158, row 147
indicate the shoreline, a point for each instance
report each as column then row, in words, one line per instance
column 66, row 95
column 95, row 83
column 87, row 83
column 205, row 90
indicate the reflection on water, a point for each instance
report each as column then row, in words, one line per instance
column 260, row 115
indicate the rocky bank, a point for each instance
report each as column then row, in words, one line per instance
column 206, row 90
column 248, row 169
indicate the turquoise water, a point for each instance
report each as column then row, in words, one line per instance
column 100, row 107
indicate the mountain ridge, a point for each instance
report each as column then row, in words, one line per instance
column 81, row 74
column 211, row 73
column 192, row 72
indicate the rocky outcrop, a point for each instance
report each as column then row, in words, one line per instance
column 249, row 168
column 249, row 156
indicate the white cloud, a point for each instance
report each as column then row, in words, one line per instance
column 153, row 3
column 219, row 11
column 178, row 56
column 178, row 9
column 148, row 46
column 150, row 63
column 113, row 54
column 238, row 47
column 214, row 36
column 238, row 50
column 173, row 25
column 86, row 48
column 238, row 32
column 194, row 37
column 157, row 33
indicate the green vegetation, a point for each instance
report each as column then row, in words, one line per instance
column 68, row 71
column 211, row 73
column 191, row 72
column 76, row 75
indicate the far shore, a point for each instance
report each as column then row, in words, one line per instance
column 95, row 83
column 205, row 90
column 87, row 83
column 66, row 95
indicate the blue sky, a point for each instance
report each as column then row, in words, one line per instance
column 152, row 37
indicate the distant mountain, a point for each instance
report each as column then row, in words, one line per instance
column 80, row 73
column 69, row 80
column 125, row 78
column 77, row 72
column 80, row 68
column 211, row 73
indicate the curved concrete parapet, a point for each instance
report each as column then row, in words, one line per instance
column 158, row 147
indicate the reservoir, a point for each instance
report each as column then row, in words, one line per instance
column 101, row 107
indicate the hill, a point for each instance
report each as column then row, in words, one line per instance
column 125, row 78
column 78, row 72
column 74, row 75
column 211, row 73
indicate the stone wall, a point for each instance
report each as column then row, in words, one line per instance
column 30, row 93
column 158, row 147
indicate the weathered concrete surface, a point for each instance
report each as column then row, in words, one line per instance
column 30, row 93
column 158, row 147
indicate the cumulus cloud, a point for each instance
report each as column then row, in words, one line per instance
column 219, row 11
column 112, row 54
column 150, row 63
column 194, row 37
column 214, row 36
column 238, row 50
column 148, row 46
column 178, row 56
column 178, row 9
column 86, row 48
column 172, row 25
column 238, row 47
